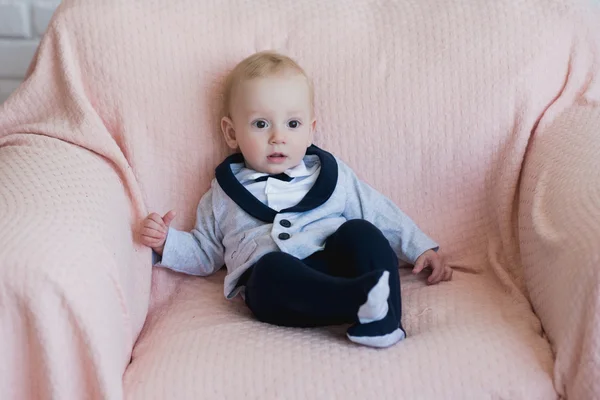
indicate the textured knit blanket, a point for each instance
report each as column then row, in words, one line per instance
column 479, row 119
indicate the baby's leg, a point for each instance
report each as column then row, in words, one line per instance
column 359, row 247
column 283, row 290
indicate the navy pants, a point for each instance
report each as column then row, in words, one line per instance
column 328, row 287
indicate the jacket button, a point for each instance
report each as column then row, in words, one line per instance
column 284, row 236
column 285, row 223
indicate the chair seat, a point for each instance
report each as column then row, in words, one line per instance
column 467, row 340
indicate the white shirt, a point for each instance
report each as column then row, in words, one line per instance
column 278, row 194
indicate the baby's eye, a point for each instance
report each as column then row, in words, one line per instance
column 260, row 124
column 294, row 124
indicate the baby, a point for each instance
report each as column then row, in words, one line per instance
column 305, row 242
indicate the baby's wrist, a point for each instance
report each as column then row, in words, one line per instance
column 159, row 250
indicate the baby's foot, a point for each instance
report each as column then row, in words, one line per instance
column 383, row 333
column 376, row 306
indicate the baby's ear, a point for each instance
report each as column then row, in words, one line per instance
column 313, row 127
column 229, row 132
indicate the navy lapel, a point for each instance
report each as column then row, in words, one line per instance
column 317, row 195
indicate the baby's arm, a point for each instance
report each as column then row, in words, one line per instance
column 199, row 252
column 408, row 241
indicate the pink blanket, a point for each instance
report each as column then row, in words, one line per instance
column 480, row 119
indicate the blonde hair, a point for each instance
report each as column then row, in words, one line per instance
column 260, row 65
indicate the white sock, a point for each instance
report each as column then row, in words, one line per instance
column 376, row 306
column 379, row 341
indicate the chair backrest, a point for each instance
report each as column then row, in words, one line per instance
column 430, row 102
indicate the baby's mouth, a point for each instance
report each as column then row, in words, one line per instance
column 277, row 157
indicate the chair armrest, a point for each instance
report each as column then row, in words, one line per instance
column 74, row 289
column 559, row 232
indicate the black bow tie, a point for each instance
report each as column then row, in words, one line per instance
column 282, row 177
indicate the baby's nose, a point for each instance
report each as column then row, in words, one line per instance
column 277, row 136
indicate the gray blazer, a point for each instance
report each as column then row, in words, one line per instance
column 235, row 229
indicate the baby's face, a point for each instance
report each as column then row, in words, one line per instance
column 272, row 122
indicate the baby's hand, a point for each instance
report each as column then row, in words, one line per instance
column 441, row 271
column 154, row 230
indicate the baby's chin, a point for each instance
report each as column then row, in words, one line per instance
column 275, row 166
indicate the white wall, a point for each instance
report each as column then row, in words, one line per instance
column 22, row 23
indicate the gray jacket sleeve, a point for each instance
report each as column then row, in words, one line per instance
column 364, row 202
column 199, row 252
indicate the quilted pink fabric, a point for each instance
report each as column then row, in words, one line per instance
column 561, row 209
column 478, row 118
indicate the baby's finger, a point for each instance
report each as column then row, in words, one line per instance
column 448, row 275
column 419, row 266
column 169, row 217
column 156, row 244
column 438, row 270
column 158, row 226
column 151, row 242
column 444, row 275
column 435, row 276
column 153, row 233
column 156, row 218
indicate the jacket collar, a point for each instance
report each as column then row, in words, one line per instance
column 316, row 196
